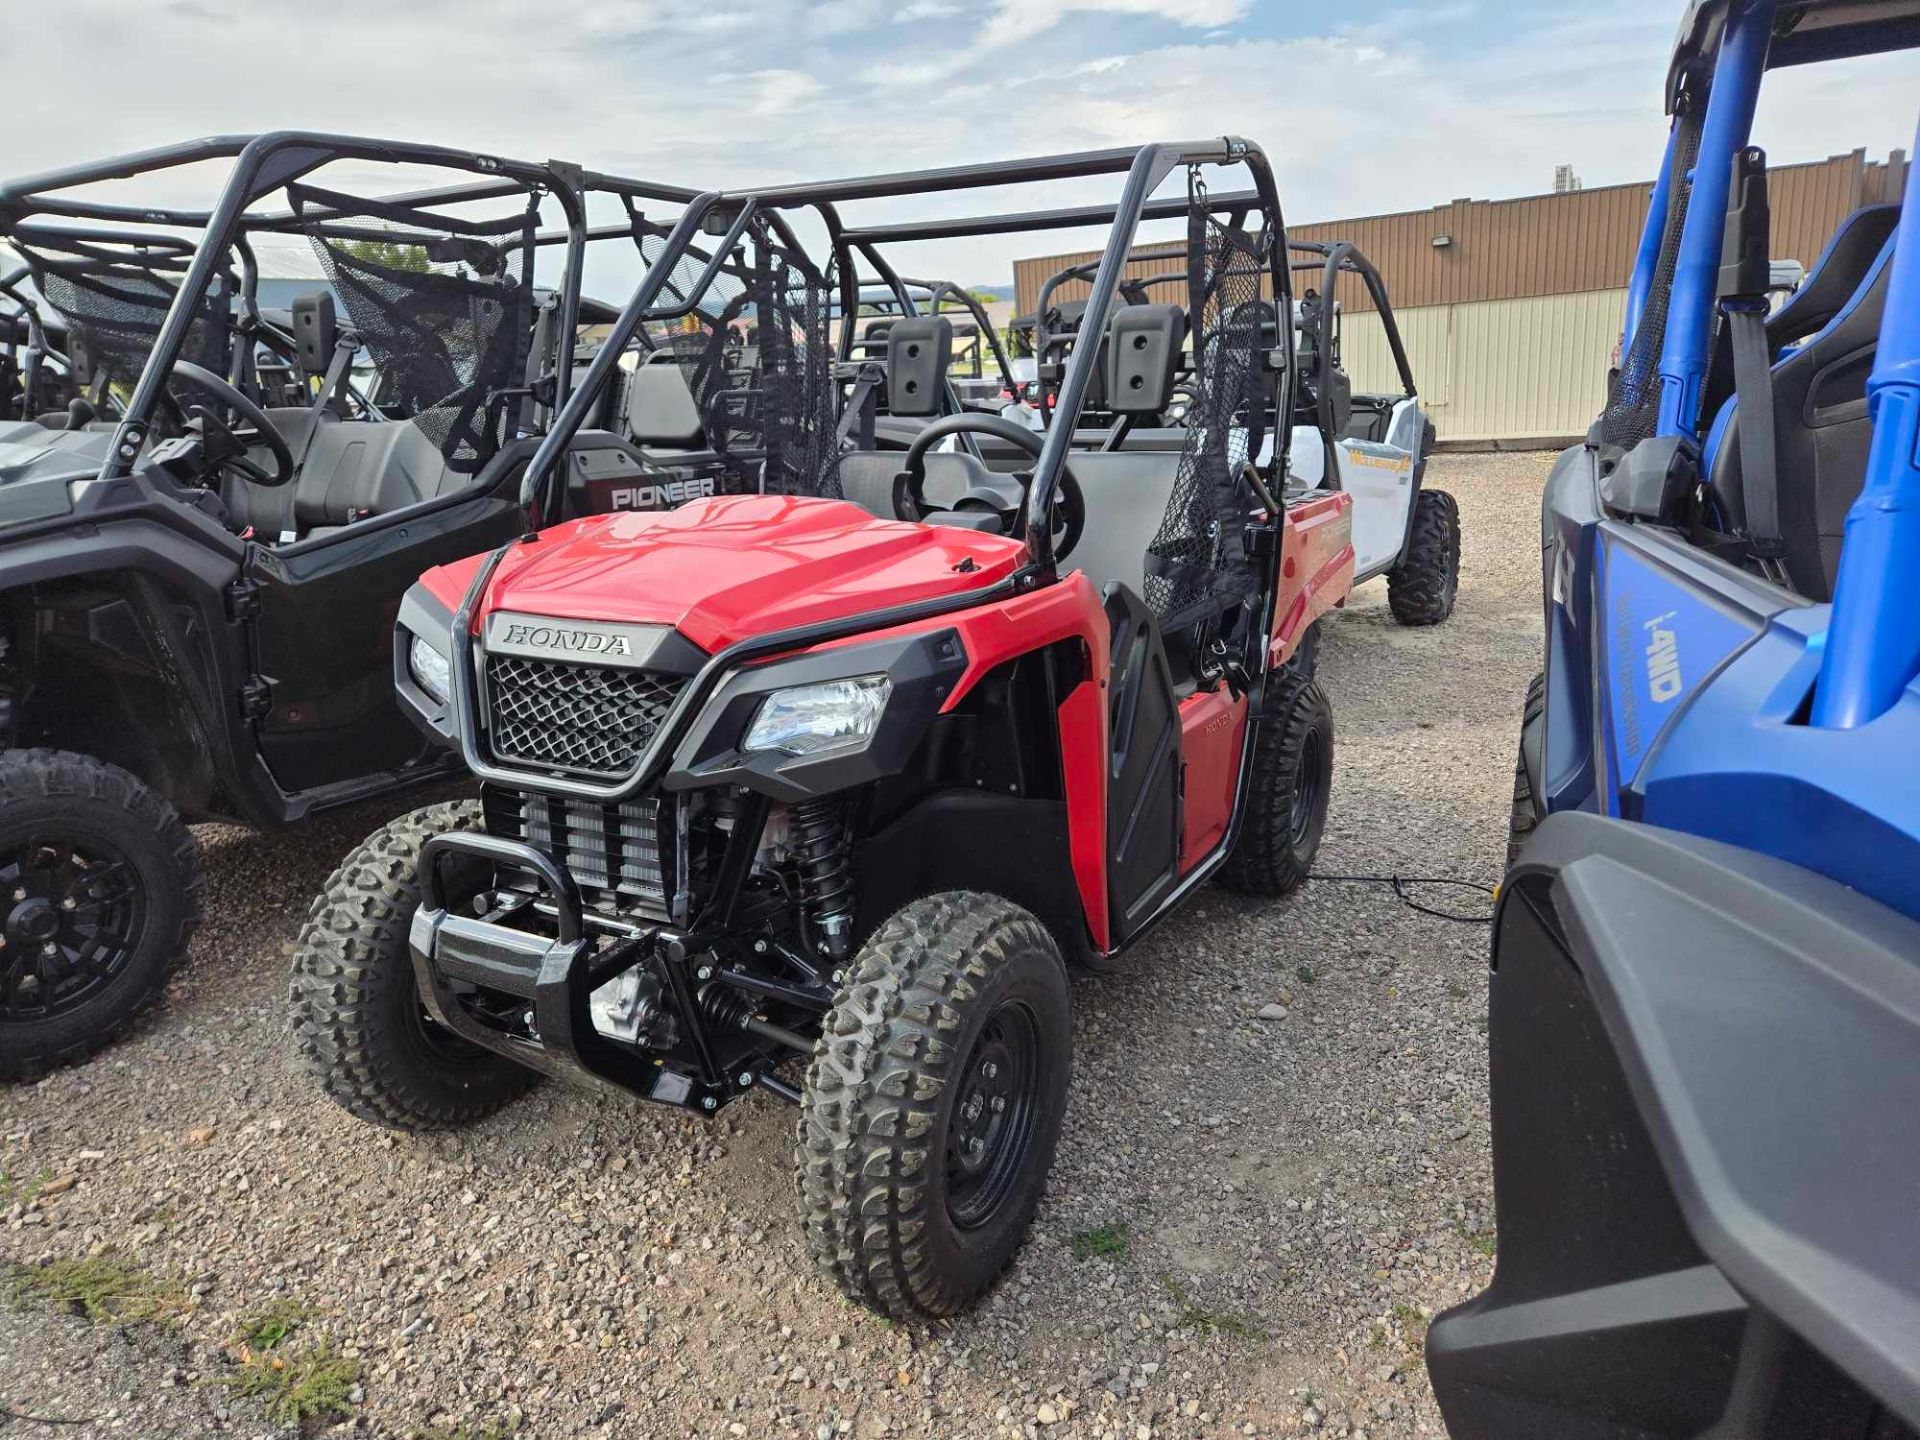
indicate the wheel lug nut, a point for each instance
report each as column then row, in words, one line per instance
column 68, row 903
column 989, row 1070
column 49, row 949
column 999, row 1104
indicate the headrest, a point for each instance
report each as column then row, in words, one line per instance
column 316, row 330
column 661, row 409
column 1836, row 275
column 1142, row 355
column 919, row 349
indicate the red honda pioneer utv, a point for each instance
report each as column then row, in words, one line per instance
column 842, row 773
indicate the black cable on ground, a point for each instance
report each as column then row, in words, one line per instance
column 1401, row 882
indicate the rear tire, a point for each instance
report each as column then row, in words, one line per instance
column 1525, row 816
column 934, row 1103
column 357, row 1016
column 1421, row 588
column 1287, row 793
column 100, row 892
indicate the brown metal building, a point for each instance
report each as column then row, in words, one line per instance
column 1510, row 307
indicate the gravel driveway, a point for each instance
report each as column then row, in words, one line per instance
column 1251, row 1217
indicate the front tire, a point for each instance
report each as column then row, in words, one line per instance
column 1421, row 588
column 1286, row 808
column 357, row 1016
column 100, row 893
column 1525, row 815
column 934, row 1103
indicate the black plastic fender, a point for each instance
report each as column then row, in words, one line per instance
column 1706, row 1068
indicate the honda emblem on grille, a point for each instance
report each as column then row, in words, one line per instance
column 560, row 639
column 538, row 637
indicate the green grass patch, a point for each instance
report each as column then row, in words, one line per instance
column 18, row 1190
column 296, row 1387
column 1485, row 1241
column 101, row 1288
column 1304, row 974
column 1196, row 1317
column 1101, row 1240
column 267, row 1327
column 498, row 1430
column 1413, row 1327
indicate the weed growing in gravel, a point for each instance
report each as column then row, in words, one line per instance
column 1413, row 1327
column 1101, row 1240
column 1195, row 1317
column 14, row 1190
column 313, row 1384
column 294, row 1386
column 265, row 1326
column 1305, row 975
column 100, row 1287
column 498, row 1430
column 1485, row 1241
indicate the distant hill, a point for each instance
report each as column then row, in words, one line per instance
column 998, row 292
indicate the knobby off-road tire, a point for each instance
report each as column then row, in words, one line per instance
column 1420, row 589
column 1524, row 817
column 357, row 1016
column 958, row 1000
column 102, row 893
column 1287, row 792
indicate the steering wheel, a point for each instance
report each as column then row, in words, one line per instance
column 1069, row 511
column 262, row 429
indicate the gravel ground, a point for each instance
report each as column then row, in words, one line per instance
column 1297, row 1191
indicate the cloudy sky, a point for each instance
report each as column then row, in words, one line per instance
column 1366, row 106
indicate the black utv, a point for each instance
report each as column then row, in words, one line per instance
column 202, row 554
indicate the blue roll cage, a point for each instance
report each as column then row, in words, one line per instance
column 1872, row 648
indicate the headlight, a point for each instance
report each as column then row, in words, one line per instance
column 431, row 670
column 832, row 715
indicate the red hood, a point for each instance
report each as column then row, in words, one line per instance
column 724, row 569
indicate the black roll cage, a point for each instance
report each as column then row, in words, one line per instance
column 1335, row 258
column 262, row 164
column 1145, row 168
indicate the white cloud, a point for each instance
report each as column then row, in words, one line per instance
column 1394, row 114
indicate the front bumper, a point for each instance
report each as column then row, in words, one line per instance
column 537, row 985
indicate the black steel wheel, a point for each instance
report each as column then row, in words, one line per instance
column 356, row 1011
column 934, row 1103
column 99, row 895
column 1287, row 794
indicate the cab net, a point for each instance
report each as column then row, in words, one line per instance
column 442, row 307
column 114, row 309
column 755, row 350
column 1632, row 412
column 1197, row 567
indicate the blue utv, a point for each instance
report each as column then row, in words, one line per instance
column 1705, row 1001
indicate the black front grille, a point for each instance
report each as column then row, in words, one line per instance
column 592, row 718
column 612, row 851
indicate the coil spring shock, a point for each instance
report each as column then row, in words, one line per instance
column 826, row 876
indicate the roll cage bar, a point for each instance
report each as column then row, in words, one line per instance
column 1144, row 167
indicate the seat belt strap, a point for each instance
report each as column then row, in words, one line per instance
column 860, row 408
column 1759, row 469
column 343, row 351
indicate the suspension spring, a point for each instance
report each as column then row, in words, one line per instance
column 820, row 850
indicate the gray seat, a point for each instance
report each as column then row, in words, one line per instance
column 352, row 468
